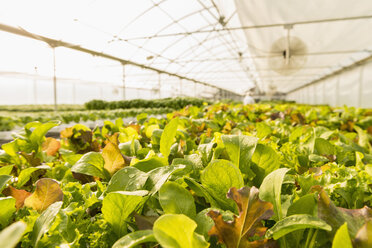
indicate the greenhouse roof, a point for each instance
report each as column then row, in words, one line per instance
column 231, row 45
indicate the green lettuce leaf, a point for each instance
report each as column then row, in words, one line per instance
column 135, row 239
column 7, row 206
column 218, row 177
column 294, row 223
column 178, row 231
column 11, row 235
column 271, row 189
column 174, row 199
column 240, row 149
column 168, row 136
column 116, row 208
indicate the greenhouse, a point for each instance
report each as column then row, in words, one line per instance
column 186, row 124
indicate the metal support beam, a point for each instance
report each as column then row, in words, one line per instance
column 357, row 63
column 55, row 43
column 54, row 79
column 271, row 25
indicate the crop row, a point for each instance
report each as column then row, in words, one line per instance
column 9, row 122
column 223, row 175
column 40, row 108
column 173, row 103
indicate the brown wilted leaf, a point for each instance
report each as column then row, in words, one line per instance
column 145, row 222
column 369, row 130
column 201, row 127
column 46, row 193
column 31, row 158
column 136, row 127
column 209, row 132
column 363, row 238
column 51, row 146
column 236, row 233
column 297, row 118
column 227, row 128
column 18, row 194
column 349, row 126
column 114, row 160
column 85, row 136
column 79, row 139
column 336, row 216
column 277, row 115
column 67, row 133
column 82, row 178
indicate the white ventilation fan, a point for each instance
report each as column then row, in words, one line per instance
column 288, row 54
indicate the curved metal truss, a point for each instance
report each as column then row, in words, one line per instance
column 176, row 55
column 203, row 42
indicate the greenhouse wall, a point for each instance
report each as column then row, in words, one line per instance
column 352, row 88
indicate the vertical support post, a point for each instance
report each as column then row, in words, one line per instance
column 35, row 86
column 54, row 79
column 360, row 88
column 124, row 96
column 159, row 85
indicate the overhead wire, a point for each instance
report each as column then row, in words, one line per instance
column 208, row 49
column 235, row 44
column 218, row 22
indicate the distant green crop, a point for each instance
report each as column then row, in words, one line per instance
column 173, row 103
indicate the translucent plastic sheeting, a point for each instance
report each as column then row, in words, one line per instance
column 319, row 93
column 366, row 96
column 173, row 35
column 26, row 76
column 331, row 91
column 350, row 88
column 320, row 37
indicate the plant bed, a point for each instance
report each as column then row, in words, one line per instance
column 223, row 175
